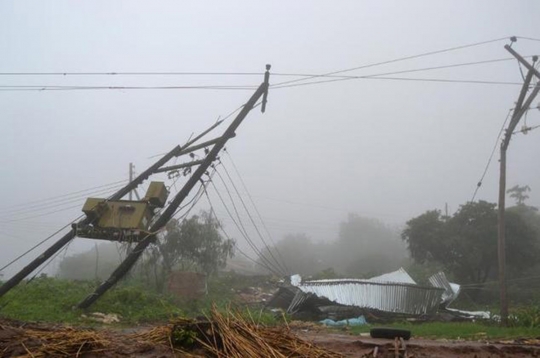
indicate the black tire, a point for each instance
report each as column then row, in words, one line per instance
column 390, row 333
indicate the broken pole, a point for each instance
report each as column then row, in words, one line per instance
column 168, row 213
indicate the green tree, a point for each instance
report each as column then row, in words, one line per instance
column 466, row 243
column 519, row 193
column 191, row 244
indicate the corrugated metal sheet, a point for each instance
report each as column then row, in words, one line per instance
column 399, row 276
column 397, row 297
column 451, row 290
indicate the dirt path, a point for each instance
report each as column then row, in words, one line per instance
column 357, row 346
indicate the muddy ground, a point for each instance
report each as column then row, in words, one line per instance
column 28, row 339
column 359, row 346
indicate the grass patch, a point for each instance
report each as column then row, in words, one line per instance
column 458, row 330
column 53, row 300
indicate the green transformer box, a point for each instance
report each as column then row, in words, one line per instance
column 122, row 220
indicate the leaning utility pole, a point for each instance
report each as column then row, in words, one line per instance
column 522, row 105
column 166, row 215
column 130, row 197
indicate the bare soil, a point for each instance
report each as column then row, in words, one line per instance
column 19, row 339
column 359, row 346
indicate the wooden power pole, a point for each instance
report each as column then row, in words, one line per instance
column 522, row 106
column 134, row 181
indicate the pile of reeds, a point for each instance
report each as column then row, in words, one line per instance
column 232, row 335
column 61, row 342
column 229, row 334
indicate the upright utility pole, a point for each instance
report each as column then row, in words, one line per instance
column 522, row 106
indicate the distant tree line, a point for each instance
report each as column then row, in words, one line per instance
column 465, row 244
column 364, row 247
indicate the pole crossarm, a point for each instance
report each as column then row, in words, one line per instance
column 179, row 166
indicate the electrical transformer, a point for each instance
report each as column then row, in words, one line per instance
column 122, row 220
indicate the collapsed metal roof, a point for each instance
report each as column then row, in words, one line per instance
column 451, row 290
column 392, row 292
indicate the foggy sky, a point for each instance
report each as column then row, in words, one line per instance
column 380, row 148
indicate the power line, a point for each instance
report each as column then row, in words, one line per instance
column 38, row 244
column 50, row 212
column 86, row 88
column 399, row 59
column 376, row 77
column 491, row 155
column 229, row 87
column 40, row 215
column 280, row 264
column 55, row 203
column 63, row 195
column 212, row 211
column 242, row 232
column 345, row 78
column 311, row 75
column 256, row 210
column 528, row 38
column 145, row 73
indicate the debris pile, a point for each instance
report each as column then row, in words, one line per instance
column 386, row 297
column 232, row 335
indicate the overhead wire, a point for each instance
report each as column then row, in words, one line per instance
column 274, row 74
column 246, row 237
column 86, row 88
column 281, row 260
column 285, row 84
column 48, row 212
column 39, row 244
column 63, row 195
column 527, row 38
column 479, row 184
column 31, row 279
column 44, row 240
column 147, row 73
column 386, row 74
column 220, row 225
column 243, row 87
column 399, row 59
column 56, row 203
column 277, row 263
